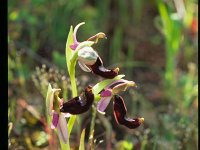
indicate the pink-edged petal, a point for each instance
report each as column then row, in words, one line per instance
column 122, row 87
column 106, row 93
column 84, row 67
column 115, row 82
column 103, row 103
column 62, row 129
column 121, row 82
column 74, row 36
column 73, row 46
column 75, row 31
column 55, row 120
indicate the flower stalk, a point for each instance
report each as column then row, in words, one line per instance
column 92, row 125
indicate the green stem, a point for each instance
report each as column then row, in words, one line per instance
column 91, row 137
column 74, row 94
column 73, row 84
column 71, row 64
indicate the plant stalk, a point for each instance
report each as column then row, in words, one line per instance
column 91, row 135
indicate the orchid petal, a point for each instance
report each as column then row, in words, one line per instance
column 122, row 87
column 84, row 67
column 97, row 36
column 55, row 120
column 101, row 85
column 50, row 98
column 73, row 46
column 106, row 93
column 120, row 111
column 84, row 44
column 102, row 104
column 120, row 81
column 75, row 31
column 98, row 69
column 62, row 129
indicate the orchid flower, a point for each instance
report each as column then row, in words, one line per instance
column 94, row 38
column 112, row 89
column 58, row 120
column 119, row 107
column 59, row 110
column 88, row 58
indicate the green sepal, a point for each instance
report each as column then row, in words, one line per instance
column 49, row 93
column 101, row 85
column 68, row 50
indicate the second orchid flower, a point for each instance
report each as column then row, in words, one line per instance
column 119, row 107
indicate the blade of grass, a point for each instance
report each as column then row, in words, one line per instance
column 82, row 144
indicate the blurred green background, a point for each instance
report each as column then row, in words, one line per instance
column 154, row 43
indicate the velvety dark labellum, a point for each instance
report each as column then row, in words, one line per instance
column 79, row 104
column 99, row 69
column 120, row 111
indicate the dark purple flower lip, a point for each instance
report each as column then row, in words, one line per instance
column 120, row 111
column 98, row 69
column 79, row 104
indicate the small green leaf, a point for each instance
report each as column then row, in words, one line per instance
column 101, row 85
column 82, row 144
column 68, row 50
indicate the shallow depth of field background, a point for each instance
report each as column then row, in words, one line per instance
column 154, row 43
